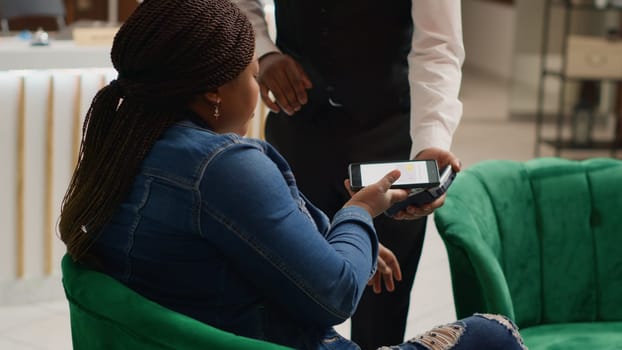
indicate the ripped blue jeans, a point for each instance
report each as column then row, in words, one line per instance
column 478, row 332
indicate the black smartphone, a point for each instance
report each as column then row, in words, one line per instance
column 414, row 173
column 421, row 196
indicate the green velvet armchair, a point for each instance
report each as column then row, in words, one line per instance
column 106, row 315
column 541, row 242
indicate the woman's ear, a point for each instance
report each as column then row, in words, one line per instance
column 206, row 105
column 212, row 97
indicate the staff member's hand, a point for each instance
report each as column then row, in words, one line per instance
column 443, row 158
column 285, row 78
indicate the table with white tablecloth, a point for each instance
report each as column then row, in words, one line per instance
column 16, row 53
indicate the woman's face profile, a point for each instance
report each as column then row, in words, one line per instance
column 239, row 99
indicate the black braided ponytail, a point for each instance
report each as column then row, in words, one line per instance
column 166, row 53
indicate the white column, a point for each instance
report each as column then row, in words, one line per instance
column 113, row 11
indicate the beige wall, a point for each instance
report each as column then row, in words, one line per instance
column 489, row 36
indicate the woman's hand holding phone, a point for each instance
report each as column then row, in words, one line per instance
column 377, row 197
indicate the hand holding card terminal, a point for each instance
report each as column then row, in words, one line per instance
column 419, row 196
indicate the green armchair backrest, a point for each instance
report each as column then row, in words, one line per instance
column 107, row 315
column 539, row 241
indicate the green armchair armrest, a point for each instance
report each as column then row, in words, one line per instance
column 105, row 314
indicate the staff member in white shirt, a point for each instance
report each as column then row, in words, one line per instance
column 361, row 80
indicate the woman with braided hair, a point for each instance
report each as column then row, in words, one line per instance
column 169, row 198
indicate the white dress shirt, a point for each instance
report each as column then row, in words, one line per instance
column 435, row 67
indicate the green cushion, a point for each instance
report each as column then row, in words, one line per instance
column 574, row 336
column 538, row 241
column 107, row 315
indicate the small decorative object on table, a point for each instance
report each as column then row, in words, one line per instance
column 40, row 38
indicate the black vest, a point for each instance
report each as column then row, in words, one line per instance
column 354, row 51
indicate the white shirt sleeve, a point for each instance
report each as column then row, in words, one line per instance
column 435, row 73
column 255, row 12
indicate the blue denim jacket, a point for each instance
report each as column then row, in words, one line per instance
column 215, row 227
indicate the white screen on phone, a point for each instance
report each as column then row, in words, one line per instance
column 412, row 172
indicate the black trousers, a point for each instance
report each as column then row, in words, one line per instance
column 319, row 142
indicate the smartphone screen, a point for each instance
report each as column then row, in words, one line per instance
column 414, row 174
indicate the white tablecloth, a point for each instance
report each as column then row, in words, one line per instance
column 19, row 54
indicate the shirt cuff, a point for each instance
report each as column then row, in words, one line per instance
column 430, row 136
column 264, row 46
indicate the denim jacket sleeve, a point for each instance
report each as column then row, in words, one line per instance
column 251, row 213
